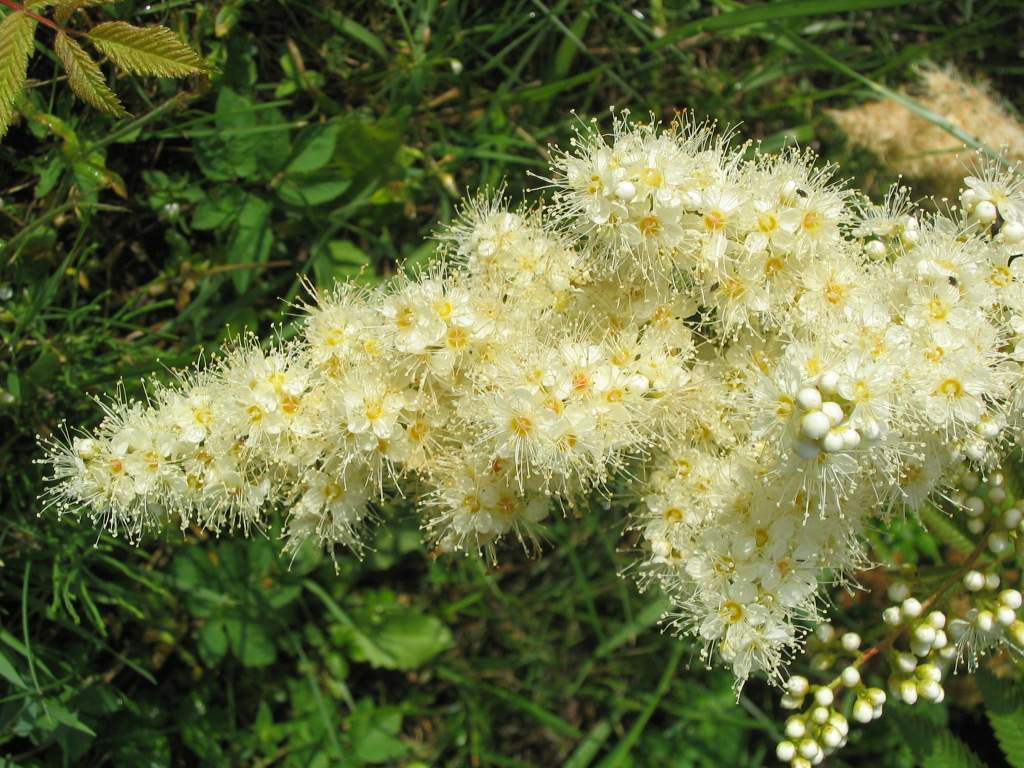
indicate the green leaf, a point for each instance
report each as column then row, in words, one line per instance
column 305, row 190
column 1004, row 705
column 17, row 36
column 932, row 746
column 248, row 141
column 250, row 643
column 145, row 50
column 213, row 642
column 943, row 527
column 68, row 8
column 251, row 241
column 85, row 77
column 314, row 148
column 394, row 636
column 374, row 732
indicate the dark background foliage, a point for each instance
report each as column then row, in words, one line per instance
column 331, row 142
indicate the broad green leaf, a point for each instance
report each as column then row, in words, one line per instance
column 145, row 50
column 396, row 637
column 1004, row 705
column 251, row 241
column 249, row 140
column 374, row 733
column 85, row 77
column 250, row 643
column 17, row 36
column 314, row 148
column 218, row 211
column 9, row 673
column 213, row 642
column 339, row 261
column 306, row 190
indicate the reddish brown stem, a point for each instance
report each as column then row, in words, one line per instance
column 22, row 9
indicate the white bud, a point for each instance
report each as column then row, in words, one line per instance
column 908, row 692
column 789, row 701
column 625, row 191
column 898, row 591
column 998, row 542
column 785, row 751
column 850, row 641
column 815, row 425
column 1011, row 598
column 809, row 398
column 834, row 412
column 824, row 696
column 929, row 672
column 975, row 525
column 968, row 199
column 937, row 619
column 920, row 649
column 830, row 737
column 797, row 685
column 851, row 438
column 1012, row 232
column 809, row 748
column 891, row 616
column 940, row 641
column 905, row 662
column 1012, row 517
column 985, row 212
column 991, row 581
column 875, row 249
column 870, row 430
column 996, row 495
column 974, row 506
column 863, row 712
column 985, row 621
column 833, row 442
column 925, row 634
column 876, row 696
column 828, row 382
column 911, row 608
column 799, row 762
column 929, row 690
column 910, row 236
column 795, row 727
column 825, row 632
column 850, row 677
column 1005, row 616
column 819, row 715
column 1016, row 631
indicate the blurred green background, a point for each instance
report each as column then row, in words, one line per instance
column 333, row 140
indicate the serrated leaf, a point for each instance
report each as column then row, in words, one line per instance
column 68, row 8
column 942, row 526
column 85, row 77
column 145, row 50
column 17, row 35
column 1004, row 706
column 932, row 746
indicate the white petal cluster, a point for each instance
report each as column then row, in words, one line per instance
column 769, row 359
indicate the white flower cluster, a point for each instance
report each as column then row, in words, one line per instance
column 777, row 359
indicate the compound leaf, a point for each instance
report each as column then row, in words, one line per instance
column 17, row 34
column 145, row 50
column 85, row 77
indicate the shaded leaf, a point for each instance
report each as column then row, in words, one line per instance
column 146, row 50
column 1004, row 706
column 17, row 35
column 68, row 8
column 85, row 77
column 933, row 746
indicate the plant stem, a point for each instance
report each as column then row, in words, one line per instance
column 22, row 9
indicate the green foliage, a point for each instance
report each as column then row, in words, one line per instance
column 17, row 31
column 1004, row 706
column 932, row 746
column 138, row 50
column 328, row 143
column 145, row 50
column 85, row 77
